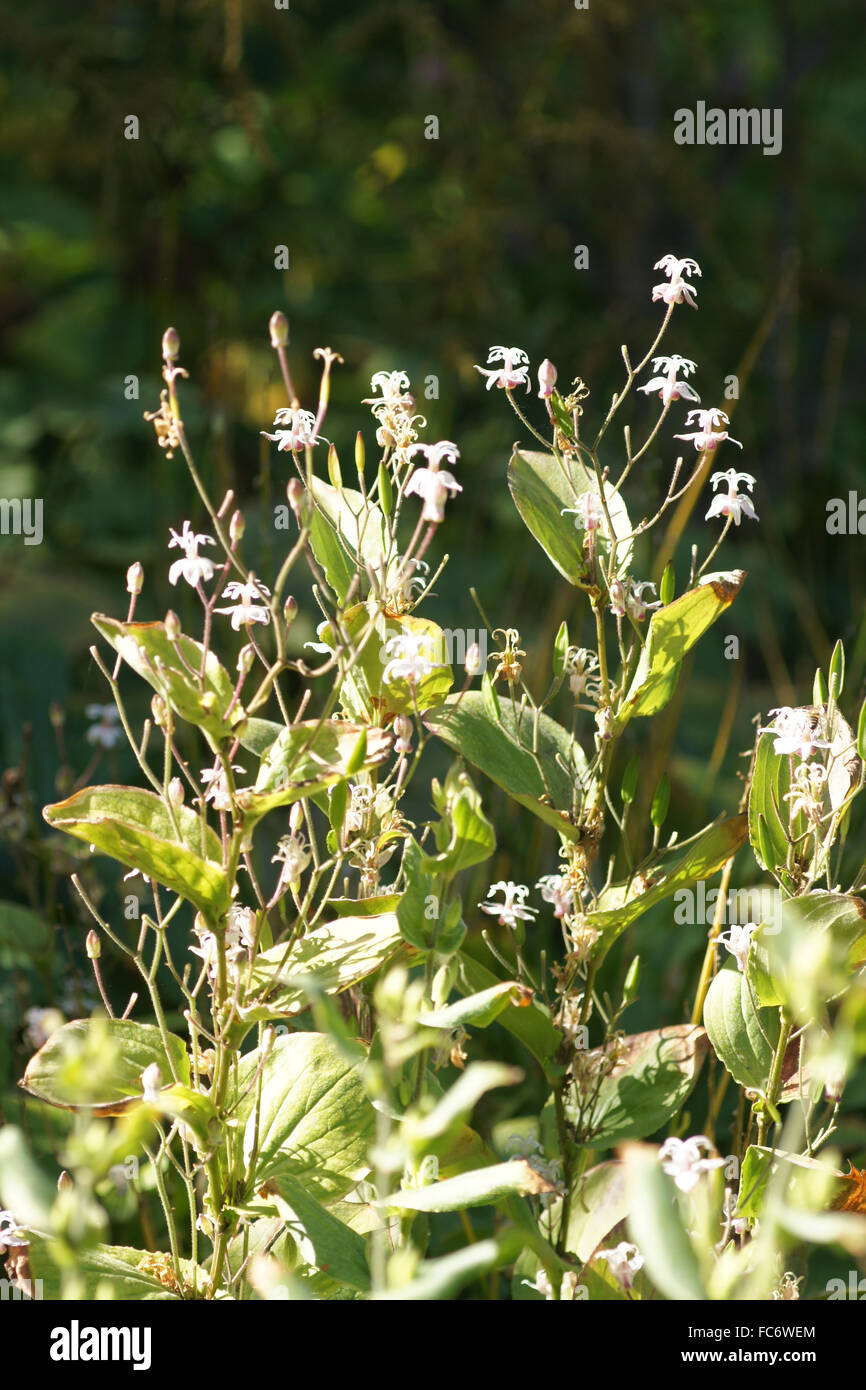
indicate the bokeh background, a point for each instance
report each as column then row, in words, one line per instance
column 260, row 127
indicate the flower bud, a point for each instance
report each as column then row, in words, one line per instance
column 64, row 1182
column 236, row 527
column 93, row 945
column 175, row 791
column 172, row 625
column 279, row 329
column 246, row 657
column 473, row 665
column 159, row 710
column 295, row 492
column 360, row 454
column 290, row 610
column 403, row 734
column 134, row 578
column 546, row 379
column 57, row 714
column 170, row 344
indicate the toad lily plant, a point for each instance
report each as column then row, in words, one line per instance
column 307, row 1067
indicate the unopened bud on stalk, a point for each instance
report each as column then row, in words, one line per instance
column 134, row 578
column 269, row 1037
column 246, row 657
column 172, row 625
column 64, row 1182
column 279, row 328
column 175, row 791
column 56, row 714
column 473, row 665
column 296, row 816
column 236, row 527
column 159, row 710
column 170, row 344
column 290, row 610
column 296, row 492
column 360, row 454
column 334, row 471
column 402, row 734
column 93, row 945
column 546, row 379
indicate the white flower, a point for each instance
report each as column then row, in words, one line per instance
column 513, row 907
column 107, row 730
column 151, row 1079
column 623, row 1261
column 677, row 289
column 433, row 485
column 193, row 567
column 403, row 734
column 681, row 1160
column 796, row 731
column 394, row 387
column 241, row 926
column 557, row 889
column 293, row 854
column 788, row 1287
column 807, row 793
column 41, row 1023
column 246, row 610
column 732, row 503
column 668, row 387
column 738, row 1224
column 297, row 429
column 588, row 514
column 546, row 379
column 709, row 434
column 217, row 790
column 435, row 453
column 513, row 372
column 410, row 653
column 580, row 667
column 629, row 599
column 738, row 941
column 9, row 1231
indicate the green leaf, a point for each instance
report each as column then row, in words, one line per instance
column 541, row 487
column 811, row 952
column 113, row 1272
column 366, row 688
column 96, row 1064
column 455, row 1106
column 25, row 1188
column 471, row 837
column 329, row 959
column 771, row 782
column 316, row 1123
column 147, row 649
column 532, row 1025
column 674, row 868
column 674, row 630
column 445, row 1276
column 651, row 1078
column 598, row 1204
column 134, row 827
column 24, row 936
column 661, row 802
column 657, row 1229
column 513, row 752
column 744, row 1038
column 346, row 531
column 257, row 735
column 481, row 1187
column 307, row 758
column 479, row 1010
column 323, row 1241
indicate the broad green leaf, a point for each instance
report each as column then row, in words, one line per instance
column 598, row 1204
column 315, row 1123
column 675, row 868
column 328, row 960
column 652, row 1076
column 478, row 1188
column 258, row 735
column 323, row 1241
column 479, row 1010
column 811, row 953
column 533, row 1026
column 673, row 630
column 445, row 1276
column 768, row 809
column 147, row 648
column 307, row 758
column 744, row 1038
column 25, row 1188
column 538, row 764
column 345, row 530
column 134, row 827
column 24, row 935
column 115, row 1272
column 375, row 684
column 657, row 1229
column 542, row 487
column 96, row 1064
column 456, row 1104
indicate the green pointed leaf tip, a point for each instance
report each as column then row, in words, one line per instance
column 134, row 827
column 542, row 487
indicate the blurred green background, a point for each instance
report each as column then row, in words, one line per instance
column 260, row 127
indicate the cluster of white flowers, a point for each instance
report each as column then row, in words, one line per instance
column 393, row 408
column 797, row 734
column 294, row 429
column 556, row 889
